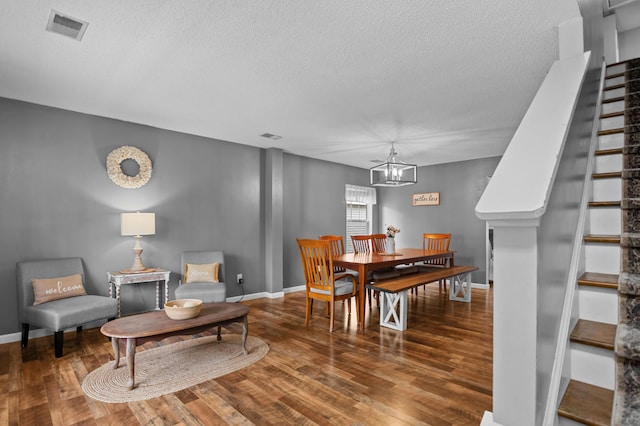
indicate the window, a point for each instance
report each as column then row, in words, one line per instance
column 359, row 201
column 357, row 222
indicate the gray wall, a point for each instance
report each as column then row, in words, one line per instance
column 629, row 44
column 460, row 186
column 313, row 205
column 56, row 200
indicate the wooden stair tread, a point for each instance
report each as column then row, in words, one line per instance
column 620, row 74
column 612, row 114
column 593, row 333
column 588, row 404
column 605, row 204
column 612, row 151
column 607, row 175
column 614, row 87
column 593, row 238
column 610, row 132
column 596, row 279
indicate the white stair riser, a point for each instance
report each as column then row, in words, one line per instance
column 607, row 189
column 615, row 93
column 614, row 81
column 593, row 365
column 616, row 122
column 611, row 141
column 605, row 221
column 598, row 304
column 602, row 258
column 563, row 421
column 616, row 69
column 608, row 163
column 610, row 107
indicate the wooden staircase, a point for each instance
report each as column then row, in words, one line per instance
column 600, row 391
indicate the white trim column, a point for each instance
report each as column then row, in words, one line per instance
column 514, row 322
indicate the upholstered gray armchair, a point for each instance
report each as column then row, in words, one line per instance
column 208, row 288
column 64, row 312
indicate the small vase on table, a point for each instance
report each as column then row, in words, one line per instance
column 390, row 247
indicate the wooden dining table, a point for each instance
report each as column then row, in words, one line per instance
column 364, row 263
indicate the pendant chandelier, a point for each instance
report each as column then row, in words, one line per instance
column 393, row 172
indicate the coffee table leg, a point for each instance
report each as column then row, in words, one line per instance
column 245, row 331
column 131, row 361
column 115, row 342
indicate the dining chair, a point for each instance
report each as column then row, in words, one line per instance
column 337, row 248
column 367, row 244
column 361, row 243
column 321, row 281
column 436, row 242
column 379, row 243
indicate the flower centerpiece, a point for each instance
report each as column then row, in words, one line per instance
column 392, row 231
column 390, row 246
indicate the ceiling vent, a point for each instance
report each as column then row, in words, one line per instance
column 66, row 25
column 270, row 136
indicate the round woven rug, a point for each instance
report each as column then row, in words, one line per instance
column 170, row 368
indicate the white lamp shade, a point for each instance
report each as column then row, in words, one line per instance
column 138, row 223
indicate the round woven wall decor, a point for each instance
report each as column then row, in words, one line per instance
column 114, row 167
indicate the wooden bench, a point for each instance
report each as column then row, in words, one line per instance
column 393, row 300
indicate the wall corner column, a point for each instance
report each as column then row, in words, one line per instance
column 274, row 221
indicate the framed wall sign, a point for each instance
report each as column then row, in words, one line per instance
column 426, row 199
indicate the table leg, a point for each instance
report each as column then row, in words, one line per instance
column 131, row 361
column 245, row 331
column 115, row 342
column 158, row 295
column 362, row 296
column 460, row 288
column 118, row 297
column 166, row 291
column 393, row 310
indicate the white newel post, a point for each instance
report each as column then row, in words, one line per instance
column 513, row 202
column 514, row 325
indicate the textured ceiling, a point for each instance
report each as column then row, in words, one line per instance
column 337, row 79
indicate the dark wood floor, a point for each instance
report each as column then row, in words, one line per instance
column 438, row 372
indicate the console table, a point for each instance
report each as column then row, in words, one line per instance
column 116, row 279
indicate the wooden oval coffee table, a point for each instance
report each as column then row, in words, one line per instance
column 152, row 326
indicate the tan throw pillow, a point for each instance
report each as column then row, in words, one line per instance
column 48, row 289
column 207, row 273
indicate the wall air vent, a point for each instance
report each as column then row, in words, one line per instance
column 270, row 136
column 66, row 25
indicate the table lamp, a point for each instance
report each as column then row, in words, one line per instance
column 137, row 224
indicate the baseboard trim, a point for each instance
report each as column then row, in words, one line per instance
column 41, row 332
column 487, row 420
column 481, row 286
column 266, row 295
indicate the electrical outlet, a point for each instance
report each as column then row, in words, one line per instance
column 239, row 279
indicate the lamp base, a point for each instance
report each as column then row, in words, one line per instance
column 137, row 267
